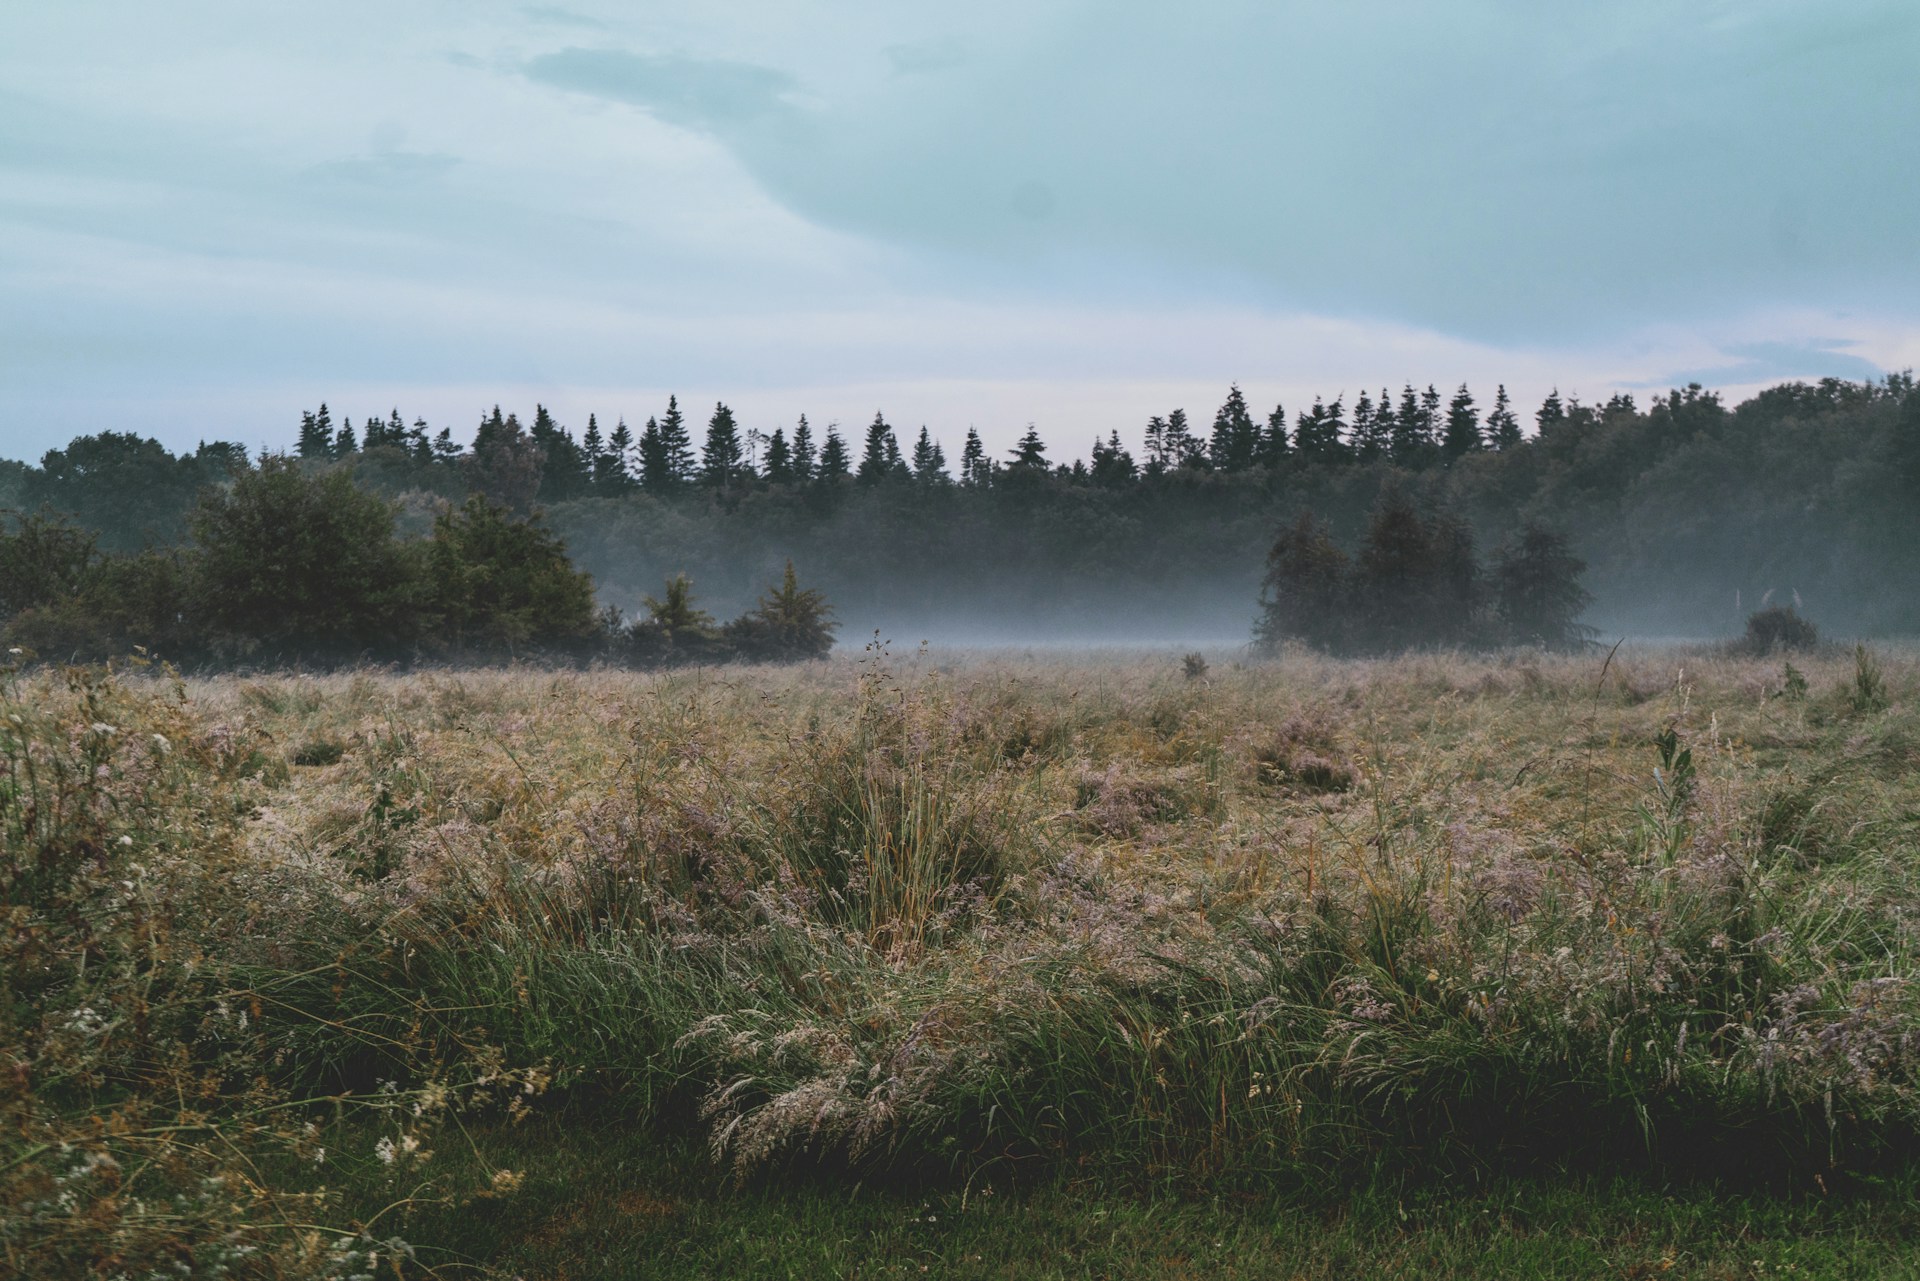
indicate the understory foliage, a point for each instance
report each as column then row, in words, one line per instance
column 1313, row 922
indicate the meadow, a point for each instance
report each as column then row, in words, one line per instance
column 1101, row 964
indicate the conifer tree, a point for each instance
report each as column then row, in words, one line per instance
column 1503, row 426
column 418, row 443
column 929, row 463
column 620, row 458
column 1030, row 452
column 1154, row 445
column 343, row 441
column 1409, row 444
column 1536, row 583
column 803, row 451
column 880, row 454
column 1273, row 441
column 1431, row 420
column 1113, row 466
column 656, row 461
column 834, row 461
column 446, row 450
column 976, row 471
column 595, row 449
column 1551, row 414
column 1372, row 430
column 1316, row 434
column 316, row 434
column 721, row 461
column 779, row 458
column 1304, row 595
column 1463, row 426
column 1235, row 441
column 564, row 470
column 676, row 443
column 1182, row 446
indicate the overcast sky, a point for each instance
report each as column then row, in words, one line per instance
column 215, row 214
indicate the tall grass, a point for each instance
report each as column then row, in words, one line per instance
column 1312, row 921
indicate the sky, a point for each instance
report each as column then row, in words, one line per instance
column 216, row 213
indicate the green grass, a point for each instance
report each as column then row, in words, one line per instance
column 605, row 1200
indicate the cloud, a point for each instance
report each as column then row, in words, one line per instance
column 695, row 93
column 1774, row 362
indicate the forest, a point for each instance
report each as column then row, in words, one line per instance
column 1685, row 513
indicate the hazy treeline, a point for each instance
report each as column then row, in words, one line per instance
column 1685, row 511
column 289, row 563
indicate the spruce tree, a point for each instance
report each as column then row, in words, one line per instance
column 446, row 450
column 595, row 449
column 1113, row 466
column 929, row 464
column 418, row 443
column 1503, row 426
column 1316, row 434
column 1409, row 444
column 1536, row 584
column 1154, row 445
column 1235, row 441
column 779, row 458
column 721, row 461
column 1463, row 426
column 656, row 462
column 975, row 469
column 620, row 458
column 564, row 469
column 1431, row 421
column 1273, row 441
column 1182, row 446
column 316, row 435
column 803, row 451
column 1551, row 413
column 343, row 441
column 880, row 454
column 676, row 442
column 1030, row 452
column 1305, row 593
column 834, row 461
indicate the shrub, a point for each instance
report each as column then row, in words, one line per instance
column 1779, row 628
column 503, row 586
column 790, row 624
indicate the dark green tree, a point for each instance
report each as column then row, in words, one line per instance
column 301, row 564
column 976, row 469
column 1537, row 591
column 501, row 587
column 722, row 460
column 779, row 469
column 676, row 444
column 790, row 624
column 803, row 451
column 1503, row 426
column 881, row 452
column 1235, row 442
column 1305, row 593
column 1462, row 435
column 835, row 465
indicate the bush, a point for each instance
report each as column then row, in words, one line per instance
column 502, row 586
column 1779, row 628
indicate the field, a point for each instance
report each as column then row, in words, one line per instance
column 1103, row 965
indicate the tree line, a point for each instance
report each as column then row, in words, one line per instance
column 286, row 563
column 1684, row 509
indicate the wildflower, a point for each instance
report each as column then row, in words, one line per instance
column 384, row 1150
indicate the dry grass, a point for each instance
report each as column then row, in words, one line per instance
column 1302, row 918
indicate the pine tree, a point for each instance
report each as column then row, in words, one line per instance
column 1273, row 441
column 834, row 461
column 779, row 458
column 1536, row 583
column 1316, row 434
column 1431, row 422
column 446, row 450
column 620, row 458
column 676, row 443
column 1463, row 426
column 595, row 450
column 1372, row 431
column 316, row 434
column 565, row 471
column 929, row 464
column 721, row 460
column 1409, row 443
column 803, row 453
column 1154, row 445
column 880, row 453
column 418, row 443
column 1030, row 452
column 1503, row 427
column 1395, row 580
column 1182, row 446
column 1551, row 413
column 1235, row 442
column 1112, row 465
column 975, row 470
column 343, row 441
column 656, row 466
